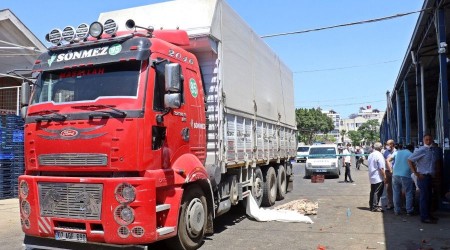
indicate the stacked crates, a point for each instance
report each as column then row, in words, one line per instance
column 11, row 154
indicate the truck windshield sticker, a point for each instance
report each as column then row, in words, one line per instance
column 115, row 49
column 79, row 73
column 51, row 60
column 193, row 87
column 72, row 55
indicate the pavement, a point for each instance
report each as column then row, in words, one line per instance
column 343, row 222
column 11, row 235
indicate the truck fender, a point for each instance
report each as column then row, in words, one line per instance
column 190, row 168
column 193, row 171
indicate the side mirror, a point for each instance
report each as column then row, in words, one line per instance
column 172, row 101
column 173, row 77
column 23, row 112
column 25, row 92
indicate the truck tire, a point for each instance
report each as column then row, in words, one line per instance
column 192, row 220
column 258, row 183
column 281, row 182
column 269, row 187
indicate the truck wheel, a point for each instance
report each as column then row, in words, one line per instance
column 269, row 187
column 192, row 221
column 258, row 184
column 281, row 182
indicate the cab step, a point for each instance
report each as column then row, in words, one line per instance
column 165, row 230
column 162, row 207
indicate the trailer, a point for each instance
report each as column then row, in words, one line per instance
column 148, row 124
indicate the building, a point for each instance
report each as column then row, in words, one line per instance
column 19, row 48
column 336, row 118
column 354, row 122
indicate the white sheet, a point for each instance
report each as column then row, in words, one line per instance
column 261, row 214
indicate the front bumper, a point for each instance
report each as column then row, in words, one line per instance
column 47, row 215
column 321, row 170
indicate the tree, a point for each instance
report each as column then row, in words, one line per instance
column 325, row 138
column 355, row 137
column 370, row 131
column 311, row 121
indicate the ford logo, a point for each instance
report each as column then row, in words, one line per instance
column 68, row 133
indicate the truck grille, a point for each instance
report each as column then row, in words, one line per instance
column 73, row 159
column 70, row 200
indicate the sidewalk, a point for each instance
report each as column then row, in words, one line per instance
column 11, row 235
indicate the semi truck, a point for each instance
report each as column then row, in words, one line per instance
column 147, row 124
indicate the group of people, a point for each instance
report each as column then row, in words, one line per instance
column 399, row 170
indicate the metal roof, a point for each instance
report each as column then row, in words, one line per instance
column 19, row 47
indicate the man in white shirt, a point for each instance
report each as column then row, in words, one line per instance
column 377, row 176
column 347, row 161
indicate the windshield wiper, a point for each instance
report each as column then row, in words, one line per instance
column 96, row 107
column 49, row 115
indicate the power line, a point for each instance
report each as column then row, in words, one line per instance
column 346, row 24
column 345, row 104
column 345, row 67
column 334, row 100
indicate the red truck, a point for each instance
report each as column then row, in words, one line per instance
column 141, row 135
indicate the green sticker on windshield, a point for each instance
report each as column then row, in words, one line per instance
column 115, row 49
column 193, row 87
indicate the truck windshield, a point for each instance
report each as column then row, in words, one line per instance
column 88, row 83
column 322, row 152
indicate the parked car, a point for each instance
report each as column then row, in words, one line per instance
column 323, row 159
column 302, row 153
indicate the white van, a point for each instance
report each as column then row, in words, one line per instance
column 323, row 159
column 302, row 153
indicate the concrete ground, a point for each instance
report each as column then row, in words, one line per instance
column 343, row 222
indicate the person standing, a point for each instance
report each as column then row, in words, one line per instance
column 421, row 163
column 390, row 149
column 377, row 176
column 401, row 180
column 347, row 161
column 357, row 157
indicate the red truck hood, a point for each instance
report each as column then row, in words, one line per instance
column 106, row 144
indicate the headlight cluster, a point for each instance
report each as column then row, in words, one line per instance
column 124, row 214
column 70, row 34
column 25, row 207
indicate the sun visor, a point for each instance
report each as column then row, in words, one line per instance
column 92, row 53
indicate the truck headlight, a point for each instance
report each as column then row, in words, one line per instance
column 309, row 165
column 25, row 208
column 24, row 189
column 125, row 193
column 333, row 165
column 124, row 215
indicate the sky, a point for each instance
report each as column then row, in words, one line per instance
column 341, row 69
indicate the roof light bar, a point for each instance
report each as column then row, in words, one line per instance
column 55, row 36
column 68, row 34
column 96, row 29
column 110, row 27
column 82, row 31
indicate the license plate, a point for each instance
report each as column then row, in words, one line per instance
column 320, row 170
column 70, row 236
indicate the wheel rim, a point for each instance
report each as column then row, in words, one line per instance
column 195, row 218
column 258, row 188
column 283, row 183
column 273, row 189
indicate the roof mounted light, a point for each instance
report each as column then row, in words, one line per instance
column 82, row 31
column 55, row 36
column 110, row 27
column 96, row 29
column 68, row 34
